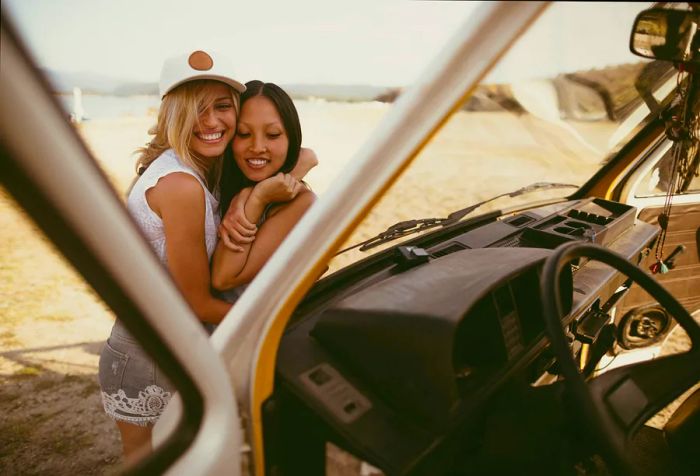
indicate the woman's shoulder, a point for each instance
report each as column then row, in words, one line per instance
column 167, row 163
column 298, row 204
column 305, row 198
column 180, row 181
column 165, row 169
column 176, row 192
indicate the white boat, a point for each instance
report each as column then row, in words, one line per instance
column 77, row 115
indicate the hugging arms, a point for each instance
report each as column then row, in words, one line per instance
column 276, row 204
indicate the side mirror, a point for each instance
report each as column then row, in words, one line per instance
column 670, row 35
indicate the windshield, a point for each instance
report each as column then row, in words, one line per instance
column 554, row 109
column 557, row 105
column 564, row 98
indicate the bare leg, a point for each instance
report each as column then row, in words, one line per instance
column 136, row 441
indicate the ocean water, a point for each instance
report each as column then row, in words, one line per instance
column 112, row 107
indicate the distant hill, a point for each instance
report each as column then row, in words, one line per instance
column 90, row 83
column 497, row 97
column 334, row 92
column 606, row 93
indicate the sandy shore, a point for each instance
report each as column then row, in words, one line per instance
column 53, row 325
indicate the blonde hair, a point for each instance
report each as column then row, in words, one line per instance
column 177, row 117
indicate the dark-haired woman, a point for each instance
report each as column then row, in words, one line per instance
column 265, row 200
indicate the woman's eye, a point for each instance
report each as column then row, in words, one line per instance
column 224, row 106
column 243, row 134
column 274, row 135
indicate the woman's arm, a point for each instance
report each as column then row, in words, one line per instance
column 231, row 269
column 235, row 228
column 307, row 161
column 178, row 199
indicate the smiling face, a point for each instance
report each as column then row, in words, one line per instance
column 216, row 122
column 261, row 143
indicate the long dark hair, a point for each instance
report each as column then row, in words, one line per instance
column 232, row 179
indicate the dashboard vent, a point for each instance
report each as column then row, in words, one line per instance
column 452, row 248
column 519, row 220
column 514, row 242
column 518, row 241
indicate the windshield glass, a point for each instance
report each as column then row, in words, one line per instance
column 564, row 98
column 558, row 104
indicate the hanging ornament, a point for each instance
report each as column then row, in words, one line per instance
column 682, row 136
column 656, row 267
column 682, row 128
column 675, row 130
column 665, row 216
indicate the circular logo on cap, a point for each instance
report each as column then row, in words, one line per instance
column 200, row 61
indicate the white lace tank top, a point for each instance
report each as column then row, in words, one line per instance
column 149, row 222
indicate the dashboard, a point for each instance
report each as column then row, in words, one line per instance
column 411, row 352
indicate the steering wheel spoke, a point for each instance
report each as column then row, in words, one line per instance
column 615, row 404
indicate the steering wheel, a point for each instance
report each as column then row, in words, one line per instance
column 614, row 405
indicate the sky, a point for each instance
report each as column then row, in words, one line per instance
column 376, row 42
column 381, row 42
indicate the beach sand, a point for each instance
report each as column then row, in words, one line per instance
column 53, row 325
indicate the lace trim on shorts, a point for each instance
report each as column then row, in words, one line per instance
column 142, row 410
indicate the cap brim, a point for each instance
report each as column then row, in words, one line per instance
column 231, row 82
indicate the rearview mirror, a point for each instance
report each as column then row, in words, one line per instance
column 670, row 35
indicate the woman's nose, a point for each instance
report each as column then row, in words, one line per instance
column 208, row 118
column 257, row 144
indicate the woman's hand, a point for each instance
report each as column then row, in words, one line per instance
column 307, row 161
column 235, row 228
column 278, row 188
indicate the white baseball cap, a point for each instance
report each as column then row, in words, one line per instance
column 196, row 65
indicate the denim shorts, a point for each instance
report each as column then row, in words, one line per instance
column 134, row 389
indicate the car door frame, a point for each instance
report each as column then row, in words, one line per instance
column 49, row 171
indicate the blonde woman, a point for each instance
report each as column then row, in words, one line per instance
column 175, row 203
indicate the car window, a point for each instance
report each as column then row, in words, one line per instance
column 554, row 108
column 655, row 182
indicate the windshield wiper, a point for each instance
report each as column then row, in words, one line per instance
column 410, row 227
